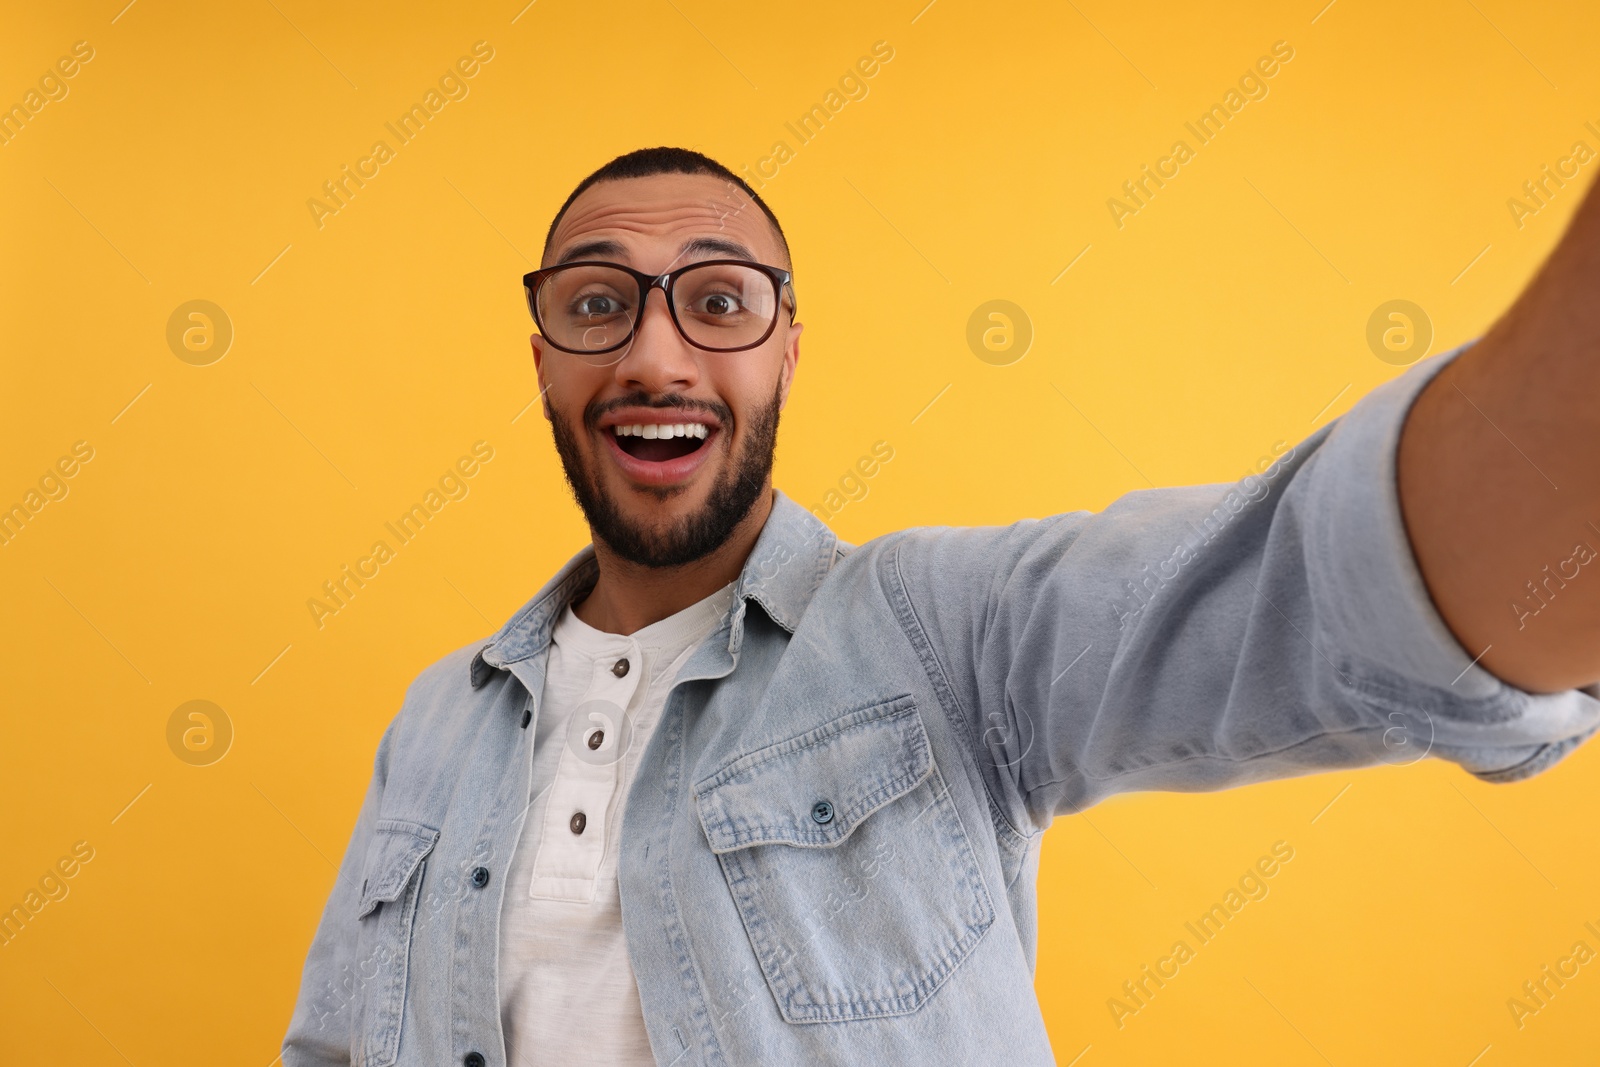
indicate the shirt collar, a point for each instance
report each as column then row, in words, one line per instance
column 792, row 554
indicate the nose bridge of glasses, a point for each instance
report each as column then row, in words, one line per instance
column 661, row 318
column 650, row 285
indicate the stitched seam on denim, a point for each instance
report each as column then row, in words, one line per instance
column 583, row 576
column 922, row 645
column 948, row 959
column 736, row 874
column 421, row 843
column 778, row 618
column 974, row 870
column 859, row 1008
column 381, row 1044
column 895, row 789
column 688, row 967
column 1379, row 686
column 1547, row 754
column 916, row 747
column 906, row 611
column 1022, row 865
column 809, row 739
column 518, row 767
column 822, row 563
column 919, row 747
column 1006, row 838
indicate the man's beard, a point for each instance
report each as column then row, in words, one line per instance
column 694, row 536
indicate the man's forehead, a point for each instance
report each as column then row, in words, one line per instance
column 663, row 213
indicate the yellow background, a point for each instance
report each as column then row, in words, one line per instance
column 370, row 353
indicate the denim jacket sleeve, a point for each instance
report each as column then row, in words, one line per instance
column 1205, row 637
column 321, row 1031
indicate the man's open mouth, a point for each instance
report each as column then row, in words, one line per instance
column 660, row 442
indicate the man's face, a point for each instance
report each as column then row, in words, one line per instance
column 656, row 499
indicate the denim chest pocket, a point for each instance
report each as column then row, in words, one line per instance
column 848, row 863
column 392, row 880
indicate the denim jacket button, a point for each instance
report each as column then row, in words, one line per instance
column 822, row 812
column 480, row 877
column 473, row 1059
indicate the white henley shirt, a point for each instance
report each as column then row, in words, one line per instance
column 567, row 991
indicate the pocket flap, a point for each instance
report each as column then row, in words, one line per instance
column 811, row 791
column 397, row 848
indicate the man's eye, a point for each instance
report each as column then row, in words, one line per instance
column 719, row 304
column 598, row 305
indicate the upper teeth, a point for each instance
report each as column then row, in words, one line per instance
column 652, row 430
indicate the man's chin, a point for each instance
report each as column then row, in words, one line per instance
column 657, row 546
column 655, row 525
column 679, row 523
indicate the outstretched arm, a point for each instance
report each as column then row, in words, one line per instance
column 1355, row 602
column 1499, row 477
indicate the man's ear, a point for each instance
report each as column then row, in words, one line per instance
column 791, row 360
column 537, row 344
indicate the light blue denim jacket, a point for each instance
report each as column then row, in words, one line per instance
column 828, row 855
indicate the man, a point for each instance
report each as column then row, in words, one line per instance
column 728, row 791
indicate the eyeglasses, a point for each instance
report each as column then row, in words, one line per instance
column 592, row 308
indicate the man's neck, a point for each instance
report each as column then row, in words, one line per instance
column 630, row 596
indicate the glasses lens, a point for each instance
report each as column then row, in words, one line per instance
column 725, row 305
column 588, row 309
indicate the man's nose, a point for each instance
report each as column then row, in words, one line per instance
column 658, row 357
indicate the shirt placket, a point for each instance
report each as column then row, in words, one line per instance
column 576, row 820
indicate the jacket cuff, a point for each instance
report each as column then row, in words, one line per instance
column 1382, row 628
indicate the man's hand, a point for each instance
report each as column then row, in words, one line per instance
column 1499, row 477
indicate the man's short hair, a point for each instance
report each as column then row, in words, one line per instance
column 646, row 162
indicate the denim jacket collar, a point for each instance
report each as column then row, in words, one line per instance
column 791, row 556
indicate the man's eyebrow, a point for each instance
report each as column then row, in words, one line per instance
column 719, row 246
column 589, row 249
column 606, row 248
